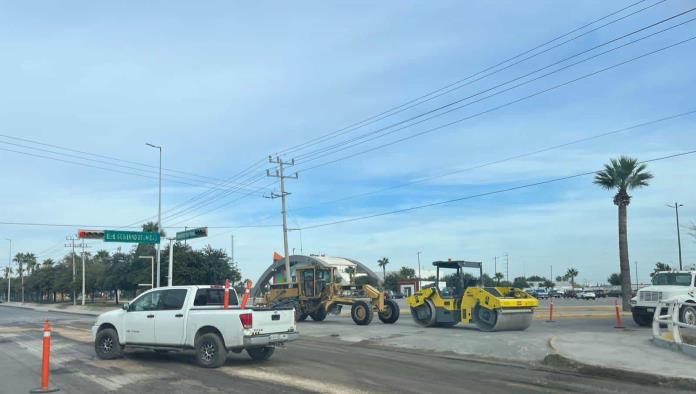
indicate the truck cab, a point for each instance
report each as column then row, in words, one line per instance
column 665, row 285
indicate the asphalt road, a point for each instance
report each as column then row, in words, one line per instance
column 309, row 365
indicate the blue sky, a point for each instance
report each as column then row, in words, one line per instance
column 224, row 84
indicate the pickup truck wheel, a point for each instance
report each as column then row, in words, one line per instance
column 361, row 313
column 106, row 344
column 210, row 351
column 260, row 353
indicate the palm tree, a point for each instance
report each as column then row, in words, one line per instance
column 571, row 274
column 383, row 263
column 623, row 174
column 30, row 260
column 498, row 277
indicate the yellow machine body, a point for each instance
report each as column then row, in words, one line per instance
column 490, row 308
column 316, row 292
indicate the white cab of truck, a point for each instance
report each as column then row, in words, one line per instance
column 665, row 285
column 192, row 317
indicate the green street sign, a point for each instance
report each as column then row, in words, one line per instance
column 193, row 233
column 140, row 237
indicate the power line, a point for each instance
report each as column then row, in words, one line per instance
column 376, row 134
column 380, row 116
column 540, row 92
column 99, row 226
column 472, row 196
column 505, row 159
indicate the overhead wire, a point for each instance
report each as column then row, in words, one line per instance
column 477, row 195
column 382, row 115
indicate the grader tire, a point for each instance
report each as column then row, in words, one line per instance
column 361, row 313
column 319, row 314
column 391, row 312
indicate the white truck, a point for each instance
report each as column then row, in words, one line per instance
column 665, row 285
column 192, row 317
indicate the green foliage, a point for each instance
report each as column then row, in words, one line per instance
column 366, row 280
column 520, row 282
column 535, row 278
column 571, row 274
column 614, row 279
column 660, row 267
column 407, row 273
column 391, row 282
column 498, row 277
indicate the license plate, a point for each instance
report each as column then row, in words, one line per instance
column 278, row 337
column 650, row 309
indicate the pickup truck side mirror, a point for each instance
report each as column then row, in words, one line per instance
column 125, row 307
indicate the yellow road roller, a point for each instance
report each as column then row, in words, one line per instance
column 490, row 308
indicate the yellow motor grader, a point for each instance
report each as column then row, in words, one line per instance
column 490, row 308
column 317, row 293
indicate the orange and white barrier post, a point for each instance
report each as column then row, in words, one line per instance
column 227, row 294
column 45, row 362
column 247, row 291
column 619, row 324
column 550, row 311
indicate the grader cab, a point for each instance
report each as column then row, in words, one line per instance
column 317, row 292
column 490, row 308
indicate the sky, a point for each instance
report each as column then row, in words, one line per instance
column 223, row 85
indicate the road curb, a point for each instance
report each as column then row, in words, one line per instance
column 91, row 314
column 557, row 360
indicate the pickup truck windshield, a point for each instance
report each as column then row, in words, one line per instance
column 672, row 279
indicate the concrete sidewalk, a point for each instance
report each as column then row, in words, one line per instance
column 65, row 308
column 627, row 354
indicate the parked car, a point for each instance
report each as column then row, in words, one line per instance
column 600, row 293
column 192, row 317
column 586, row 295
column 569, row 294
column 398, row 295
column 541, row 294
column 555, row 294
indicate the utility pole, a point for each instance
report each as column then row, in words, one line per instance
column 676, row 211
column 84, row 295
column 9, row 271
column 72, row 245
column 507, row 267
column 279, row 173
column 159, row 211
column 495, row 265
column 170, row 272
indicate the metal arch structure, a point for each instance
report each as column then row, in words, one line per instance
column 301, row 259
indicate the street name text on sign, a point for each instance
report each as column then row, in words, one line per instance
column 140, row 237
column 193, row 233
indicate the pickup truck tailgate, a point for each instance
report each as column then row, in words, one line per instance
column 268, row 321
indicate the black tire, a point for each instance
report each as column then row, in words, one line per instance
column 301, row 317
column 391, row 312
column 448, row 324
column 688, row 314
column 260, row 353
column 485, row 319
column 425, row 315
column 319, row 314
column 361, row 313
column 106, row 344
column 642, row 319
column 210, row 351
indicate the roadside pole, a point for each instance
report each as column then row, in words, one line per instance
column 74, row 273
column 9, row 272
column 170, row 273
column 279, row 173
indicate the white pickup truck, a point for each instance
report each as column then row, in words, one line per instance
column 665, row 285
column 192, row 317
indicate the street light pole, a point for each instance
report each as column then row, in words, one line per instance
column 676, row 211
column 159, row 209
column 9, row 271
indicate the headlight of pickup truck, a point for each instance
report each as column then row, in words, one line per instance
column 633, row 301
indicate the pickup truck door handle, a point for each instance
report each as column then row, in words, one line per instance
column 150, row 316
column 179, row 315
